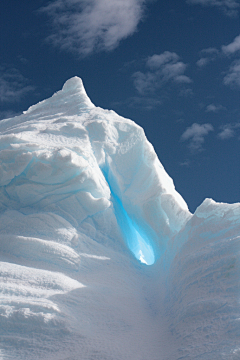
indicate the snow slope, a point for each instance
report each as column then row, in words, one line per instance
column 202, row 301
column 85, row 204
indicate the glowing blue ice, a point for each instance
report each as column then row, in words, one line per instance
column 134, row 237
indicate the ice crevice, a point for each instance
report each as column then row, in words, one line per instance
column 139, row 244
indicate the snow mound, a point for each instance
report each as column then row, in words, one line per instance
column 67, row 157
column 85, row 205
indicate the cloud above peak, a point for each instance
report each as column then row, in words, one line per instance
column 161, row 69
column 13, row 85
column 156, row 61
column 86, row 26
column 196, row 134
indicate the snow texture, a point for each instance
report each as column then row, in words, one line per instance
column 85, row 206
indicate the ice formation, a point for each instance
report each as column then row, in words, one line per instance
column 85, row 206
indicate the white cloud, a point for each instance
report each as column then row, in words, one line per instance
column 144, row 82
column 230, row 7
column 162, row 69
column 228, row 131
column 203, row 62
column 84, row 26
column 214, row 108
column 232, row 78
column 210, row 51
column 195, row 134
column 207, row 55
column 156, row 61
column 13, row 85
column 182, row 79
column 233, row 47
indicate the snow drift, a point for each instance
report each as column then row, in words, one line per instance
column 85, row 206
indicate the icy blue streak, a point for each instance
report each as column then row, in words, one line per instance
column 135, row 239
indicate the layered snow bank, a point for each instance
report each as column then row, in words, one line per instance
column 84, row 205
column 203, row 293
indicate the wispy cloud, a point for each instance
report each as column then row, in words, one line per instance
column 206, row 56
column 233, row 47
column 203, row 61
column 229, row 7
column 211, row 54
column 228, row 131
column 85, row 26
column 232, row 78
column 13, row 85
column 161, row 69
column 196, row 134
column 147, row 103
column 214, row 108
column 186, row 92
column 185, row 163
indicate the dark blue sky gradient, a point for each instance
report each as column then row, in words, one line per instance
column 212, row 168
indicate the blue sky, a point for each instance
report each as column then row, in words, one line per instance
column 171, row 66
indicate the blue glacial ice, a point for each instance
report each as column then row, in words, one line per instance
column 85, row 206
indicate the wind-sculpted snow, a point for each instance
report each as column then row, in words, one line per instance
column 85, row 204
column 67, row 157
column 204, row 289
